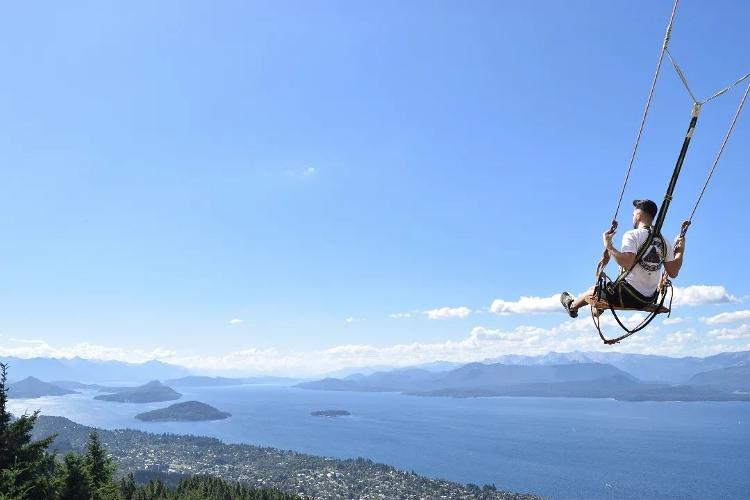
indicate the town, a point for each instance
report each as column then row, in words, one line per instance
column 170, row 457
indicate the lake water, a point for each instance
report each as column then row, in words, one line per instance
column 558, row 448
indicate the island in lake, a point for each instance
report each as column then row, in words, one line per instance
column 153, row 392
column 32, row 387
column 189, row 411
column 330, row 413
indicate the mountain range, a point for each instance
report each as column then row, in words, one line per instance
column 716, row 378
column 646, row 367
column 573, row 372
column 91, row 371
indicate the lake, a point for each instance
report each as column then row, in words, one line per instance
column 559, row 448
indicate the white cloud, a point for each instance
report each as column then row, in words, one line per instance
column 727, row 317
column 481, row 343
column 448, row 312
column 677, row 343
column 300, row 174
column 681, row 337
column 524, row 334
column 677, row 320
column 527, row 305
column 236, row 321
column 694, row 295
column 698, row 295
column 34, row 348
column 740, row 332
column 399, row 315
column 478, row 343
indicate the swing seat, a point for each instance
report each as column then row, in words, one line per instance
column 604, row 305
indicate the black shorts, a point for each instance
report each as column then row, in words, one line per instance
column 625, row 295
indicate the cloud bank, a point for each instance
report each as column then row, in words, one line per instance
column 527, row 305
column 481, row 342
column 694, row 295
column 699, row 295
column 727, row 317
column 738, row 333
column 477, row 343
column 448, row 312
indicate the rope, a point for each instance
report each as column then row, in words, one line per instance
column 685, row 83
column 728, row 88
column 721, row 149
column 637, row 329
column 667, row 37
column 682, row 77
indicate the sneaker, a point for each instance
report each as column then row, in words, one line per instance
column 566, row 299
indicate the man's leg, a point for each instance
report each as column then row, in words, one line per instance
column 581, row 300
column 572, row 305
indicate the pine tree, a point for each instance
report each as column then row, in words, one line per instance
column 74, row 482
column 155, row 490
column 98, row 465
column 25, row 465
column 128, row 487
column 100, row 469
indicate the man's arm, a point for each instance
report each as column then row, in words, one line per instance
column 673, row 267
column 623, row 259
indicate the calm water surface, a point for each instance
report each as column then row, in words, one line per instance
column 558, row 448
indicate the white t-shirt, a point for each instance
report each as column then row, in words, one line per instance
column 646, row 274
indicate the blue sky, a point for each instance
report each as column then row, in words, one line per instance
column 313, row 169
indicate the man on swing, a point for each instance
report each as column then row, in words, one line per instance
column 639, row 288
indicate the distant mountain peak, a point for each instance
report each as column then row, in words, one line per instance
column 150, row 392
column 32, row 387
column 93, row 371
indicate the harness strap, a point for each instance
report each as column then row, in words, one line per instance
column 643, row 324
column 639, row 256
